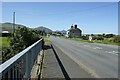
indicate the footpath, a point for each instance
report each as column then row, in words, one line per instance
column 51, row 68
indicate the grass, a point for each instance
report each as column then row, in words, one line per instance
column 95, row 41
column 106, row 42
column 46, row 39
column 44, row 67
column 78, row 39
column 4, row 41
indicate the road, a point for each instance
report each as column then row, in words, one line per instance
column 100, row 60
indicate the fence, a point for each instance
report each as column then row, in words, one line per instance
column 20, row 65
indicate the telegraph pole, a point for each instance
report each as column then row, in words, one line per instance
column 13, row 30
column 13, row 23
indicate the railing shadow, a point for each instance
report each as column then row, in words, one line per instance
column 46, row 47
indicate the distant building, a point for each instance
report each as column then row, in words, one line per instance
column 5, row 34
column 74, row 32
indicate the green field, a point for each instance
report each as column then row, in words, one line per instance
column 4, row 41
column 106, row 42
column 95, row 41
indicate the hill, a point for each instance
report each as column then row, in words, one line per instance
column 41, row 28
column 9, row 26
column 62, row 32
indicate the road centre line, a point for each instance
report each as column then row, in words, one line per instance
column 112, row 52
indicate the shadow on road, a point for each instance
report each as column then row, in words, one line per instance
column 47, row 47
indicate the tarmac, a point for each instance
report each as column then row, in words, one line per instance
column 53, row 64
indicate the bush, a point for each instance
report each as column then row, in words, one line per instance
column 117, row 39
column 23, row 37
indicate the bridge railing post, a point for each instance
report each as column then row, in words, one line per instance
column 9, row 74
column 26, row 66
column 13, row 72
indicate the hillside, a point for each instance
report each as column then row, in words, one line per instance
column 62, row 31
column 9, row 26
column 41, row 28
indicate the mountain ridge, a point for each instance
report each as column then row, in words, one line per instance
column 7, row 26
column 42, row 28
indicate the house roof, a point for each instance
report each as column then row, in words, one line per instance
column 74, row 29
column 5, row 31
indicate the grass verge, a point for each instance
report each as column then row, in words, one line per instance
column 78, row 39
column 107, row 42
column 46, row 40
column 4, row 41
column 94, row 41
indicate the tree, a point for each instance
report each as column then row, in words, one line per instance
column 23, row 38
column 117, row 39
column 92, row 35
column 109, row 35
column 85, row 37
column 103, row 34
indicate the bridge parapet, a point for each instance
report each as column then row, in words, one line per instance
column 20, row 65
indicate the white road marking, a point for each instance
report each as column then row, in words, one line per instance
column 87, row 45
column 112, row 52
column 116, row 52
column 97, row 48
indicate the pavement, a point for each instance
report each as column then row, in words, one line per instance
column 51, row 68
column 101, row 61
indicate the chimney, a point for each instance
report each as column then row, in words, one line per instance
column 75, row 26
column 72, row 26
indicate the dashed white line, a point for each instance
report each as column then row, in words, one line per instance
column 112, row 52
column 97, row 48
column 87, row 45
column 115, row 52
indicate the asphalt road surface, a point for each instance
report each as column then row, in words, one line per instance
column 100, row 60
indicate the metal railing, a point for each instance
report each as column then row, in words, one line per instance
column 20, row 65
